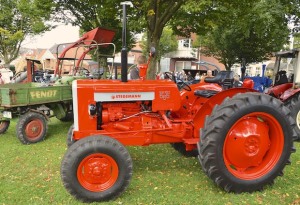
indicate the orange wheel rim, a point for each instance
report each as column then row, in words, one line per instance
column 97, row 172
column 34, row 129
column 253, row 146
column 3, row 124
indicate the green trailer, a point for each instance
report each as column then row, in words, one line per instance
column 35, row 101
column 33, row 104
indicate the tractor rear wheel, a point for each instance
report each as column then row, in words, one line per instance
column 96, row 168
column 294, row 105
column 246, row 142
column 4, row 126
column 32, row 128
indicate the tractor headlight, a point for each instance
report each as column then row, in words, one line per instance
column 92, row 110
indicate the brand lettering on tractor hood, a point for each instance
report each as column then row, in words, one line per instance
column 43, row 94
column 118, row 96
column 164, row 94
column 123, row 96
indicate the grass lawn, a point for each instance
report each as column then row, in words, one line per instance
column 30, row 174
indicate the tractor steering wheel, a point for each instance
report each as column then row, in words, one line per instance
column 179, row 82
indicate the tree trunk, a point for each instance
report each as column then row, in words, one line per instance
column 153, row 42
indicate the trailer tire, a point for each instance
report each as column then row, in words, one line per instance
column 90, row 157
column 246, row 142
column 4, row 126
column 70, row 140
column 31, row 128
column 180, row 147
column 294, row 105
column 68, row 117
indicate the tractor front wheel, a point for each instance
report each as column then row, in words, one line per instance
column 96, row 168
column 32, row 128
column 4, row 126
column 246, row 142
column 70, row 140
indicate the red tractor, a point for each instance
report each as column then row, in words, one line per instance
column 288, row 91
column 244, row 139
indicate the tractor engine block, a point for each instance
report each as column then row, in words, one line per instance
column 112, row 112
column 130, row 116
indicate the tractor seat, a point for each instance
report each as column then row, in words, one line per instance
column 205, row 93
column 223, row 78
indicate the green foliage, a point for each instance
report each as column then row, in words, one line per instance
column 19, row 19
column 30, row 174
column 193, row 17
column 296, row 40
column 168, row 42
column 246, row 30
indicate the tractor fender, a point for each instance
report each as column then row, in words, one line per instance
column 288, row 94
column 208, row 106
column 278, row 90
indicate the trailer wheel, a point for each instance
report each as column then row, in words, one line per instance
column 68, row 117
column 96, row 168
column 294, row 105
column 180, row 147
column 32, row 128
column 246, row 142
column 70, row 140
column 4, row 126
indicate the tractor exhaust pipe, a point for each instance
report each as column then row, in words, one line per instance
column 124, row 63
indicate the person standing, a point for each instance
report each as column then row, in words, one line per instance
column 134, row 72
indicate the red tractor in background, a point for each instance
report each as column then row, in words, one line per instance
column 244, row 138
column 288, row 91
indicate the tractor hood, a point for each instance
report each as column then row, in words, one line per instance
column 164, row 94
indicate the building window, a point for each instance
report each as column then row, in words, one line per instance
column 257, row 71
column 180, row 65
column 185, row 43
column 248, row 71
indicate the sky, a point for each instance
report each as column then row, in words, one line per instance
column 61, row 34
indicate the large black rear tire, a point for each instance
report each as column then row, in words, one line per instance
column 96, row 168
column 246, row 142
column 294, row 105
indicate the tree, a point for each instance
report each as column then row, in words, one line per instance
column 146, row 16
column 193, row 16
column 247, row 30
column 154, row 15
column 19, row 19
column 168, row 43
column 244, row 30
